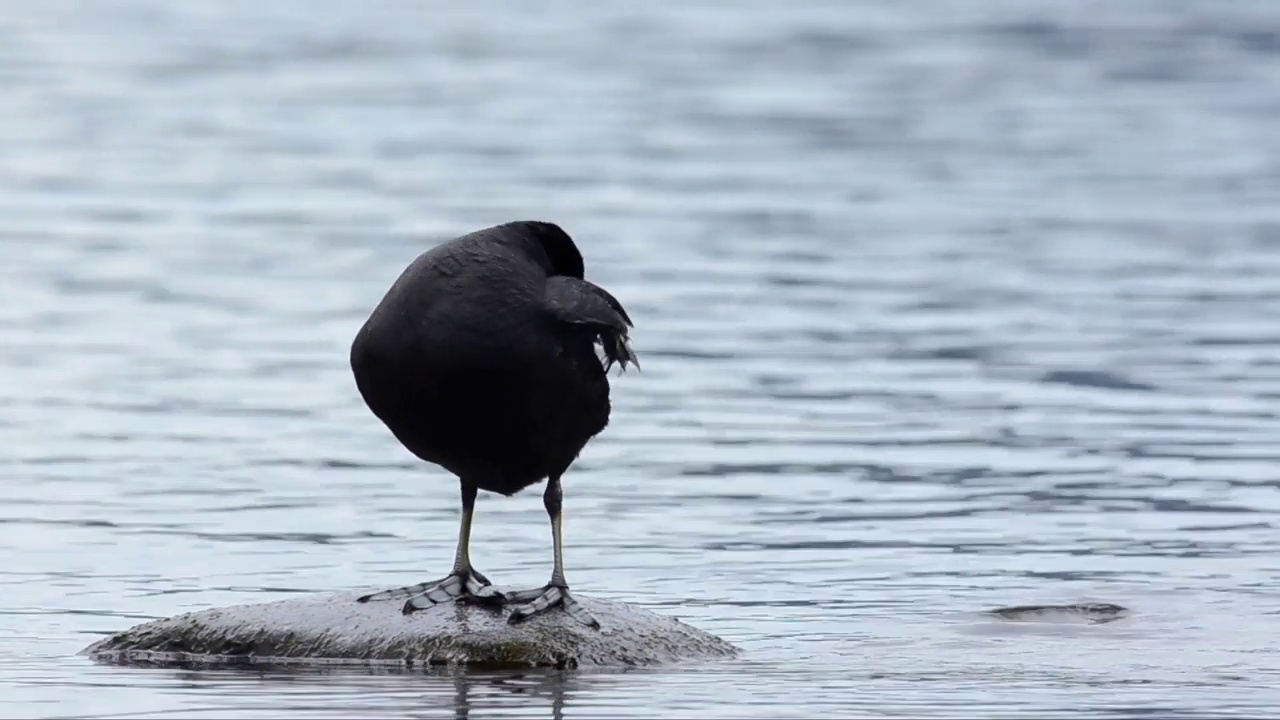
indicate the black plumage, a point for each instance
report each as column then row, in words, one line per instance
column 482, row 359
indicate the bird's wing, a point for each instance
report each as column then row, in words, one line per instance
column 582, row 303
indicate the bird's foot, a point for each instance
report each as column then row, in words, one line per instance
column 538, row 600
column 463, row 586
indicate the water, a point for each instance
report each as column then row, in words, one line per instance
column 941, row 307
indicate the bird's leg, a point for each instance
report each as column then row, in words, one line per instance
column 556, row 592
column 463, row 582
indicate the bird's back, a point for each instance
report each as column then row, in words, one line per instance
column 463, row 365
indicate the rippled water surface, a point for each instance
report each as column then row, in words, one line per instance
column 941, row 307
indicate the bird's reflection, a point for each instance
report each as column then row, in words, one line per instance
column 534, row 689
column 552, row 687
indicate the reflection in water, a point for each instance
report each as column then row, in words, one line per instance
column 549, row 688
column 432, row 693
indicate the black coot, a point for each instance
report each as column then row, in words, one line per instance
column 481, row 358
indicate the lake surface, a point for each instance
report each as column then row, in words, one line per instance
column 941, row 307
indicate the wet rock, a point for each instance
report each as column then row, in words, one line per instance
column 335, row 629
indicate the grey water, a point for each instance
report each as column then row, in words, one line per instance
column 941, row 307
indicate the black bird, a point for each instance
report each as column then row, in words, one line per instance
column 481, row 359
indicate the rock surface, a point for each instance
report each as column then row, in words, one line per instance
column 335, row 629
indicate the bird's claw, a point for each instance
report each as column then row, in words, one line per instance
column 467, row 586
column 539, row 600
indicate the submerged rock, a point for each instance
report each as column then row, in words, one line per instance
column 335, row 629
column 1093, row 613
